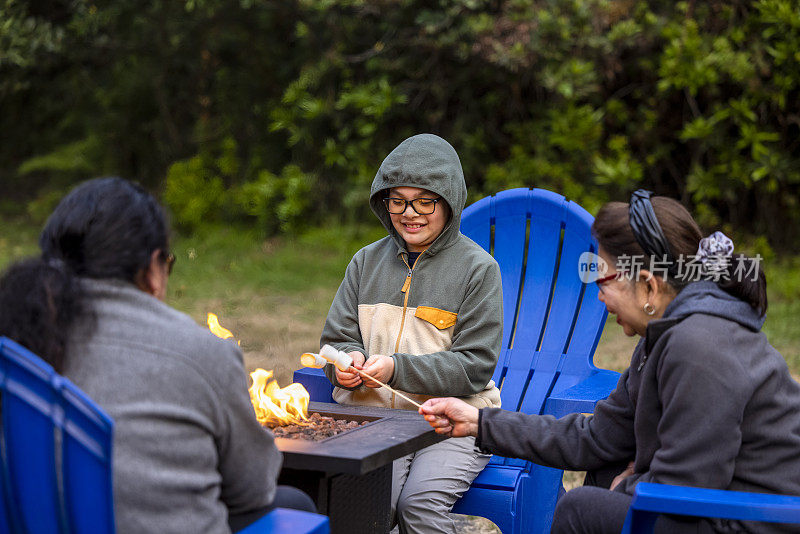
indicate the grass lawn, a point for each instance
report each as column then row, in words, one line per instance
column 273, row 294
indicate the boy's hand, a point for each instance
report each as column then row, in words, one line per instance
column 351, row 380
column 380, row 367
column 450, row 416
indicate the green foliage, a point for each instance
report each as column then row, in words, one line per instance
column 18, row 240
column 278, row 202
column 74, row 158
column 24, row 38
column 277, row 114
column 193, row 193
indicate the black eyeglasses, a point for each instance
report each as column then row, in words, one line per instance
column 169, row 259
column 422, row 206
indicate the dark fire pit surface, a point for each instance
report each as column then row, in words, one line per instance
column 389, row 435
column 349, row 475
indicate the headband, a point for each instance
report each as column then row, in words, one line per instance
column 646, row 229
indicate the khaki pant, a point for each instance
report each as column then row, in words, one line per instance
column 427, row 483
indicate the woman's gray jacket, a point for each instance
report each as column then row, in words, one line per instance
column 187, row 447
column 706, row 402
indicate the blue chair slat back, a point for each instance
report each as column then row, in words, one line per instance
column 28, row 442
column 552, row 321
column 577, row 316
column 56, row 450
column 87, row 462
column 546, row 214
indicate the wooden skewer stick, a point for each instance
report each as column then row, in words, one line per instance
column 338, row 358
column 362, row 373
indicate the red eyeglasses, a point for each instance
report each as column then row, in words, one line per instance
column 602, row 280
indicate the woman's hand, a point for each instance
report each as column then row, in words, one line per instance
column 450, row 416
column 379, row 367
column 622, row 476
column 351, row 380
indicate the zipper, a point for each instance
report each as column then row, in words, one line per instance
column 406, row 290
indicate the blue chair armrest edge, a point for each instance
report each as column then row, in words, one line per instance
column 584, row 395
column 650, row 500
column 282, row 520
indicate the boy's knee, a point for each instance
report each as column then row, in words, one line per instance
column 419, row 504
column 409, row 505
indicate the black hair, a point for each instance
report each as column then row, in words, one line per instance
column 38, row 303
column 613, row 231
column 105, row 228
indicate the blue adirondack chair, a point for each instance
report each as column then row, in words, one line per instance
column 55, row 456
column 552, row 323
column 650, row 500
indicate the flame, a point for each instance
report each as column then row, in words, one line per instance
column 274, row 405
column 217, row 329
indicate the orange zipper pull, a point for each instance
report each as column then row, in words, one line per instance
column 406, row 284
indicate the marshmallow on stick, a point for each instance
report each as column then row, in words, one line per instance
column 309, row 359
column 344, row 363
column 338, row 358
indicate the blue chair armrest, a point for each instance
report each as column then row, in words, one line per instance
column 584, row 395
column 650, row 500
column 316, row 383
column 282, row 520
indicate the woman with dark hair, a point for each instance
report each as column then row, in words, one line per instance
column 189, row 454
column 706, row 401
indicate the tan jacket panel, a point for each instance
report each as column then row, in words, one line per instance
column 426, row 330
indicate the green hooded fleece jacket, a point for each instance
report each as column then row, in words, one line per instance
column 440, row 319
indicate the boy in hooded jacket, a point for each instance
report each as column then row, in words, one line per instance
column 421, row 310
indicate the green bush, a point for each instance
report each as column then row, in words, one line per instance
column 194, row 194
column 278, row 202
column 279, row 113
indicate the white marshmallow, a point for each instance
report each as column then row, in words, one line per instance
column 340, row 359
column 309, row 359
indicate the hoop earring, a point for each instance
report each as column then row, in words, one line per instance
column 649, row 309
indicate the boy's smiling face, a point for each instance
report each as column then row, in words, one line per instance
column 419, row 231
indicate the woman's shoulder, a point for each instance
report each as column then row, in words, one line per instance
column 698, row 333
column 138, row 321
column 719, row 344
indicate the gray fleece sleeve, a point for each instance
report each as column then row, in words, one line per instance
column 703, row 397
column 467, row 367
column 576, row 442
column 249, row 461
column 341, row 329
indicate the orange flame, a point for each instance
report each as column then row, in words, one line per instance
column 275, row 405
column 217, row 329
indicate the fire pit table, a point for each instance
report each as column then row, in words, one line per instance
column 349, row 475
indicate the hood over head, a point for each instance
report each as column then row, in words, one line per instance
column 429, row 162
